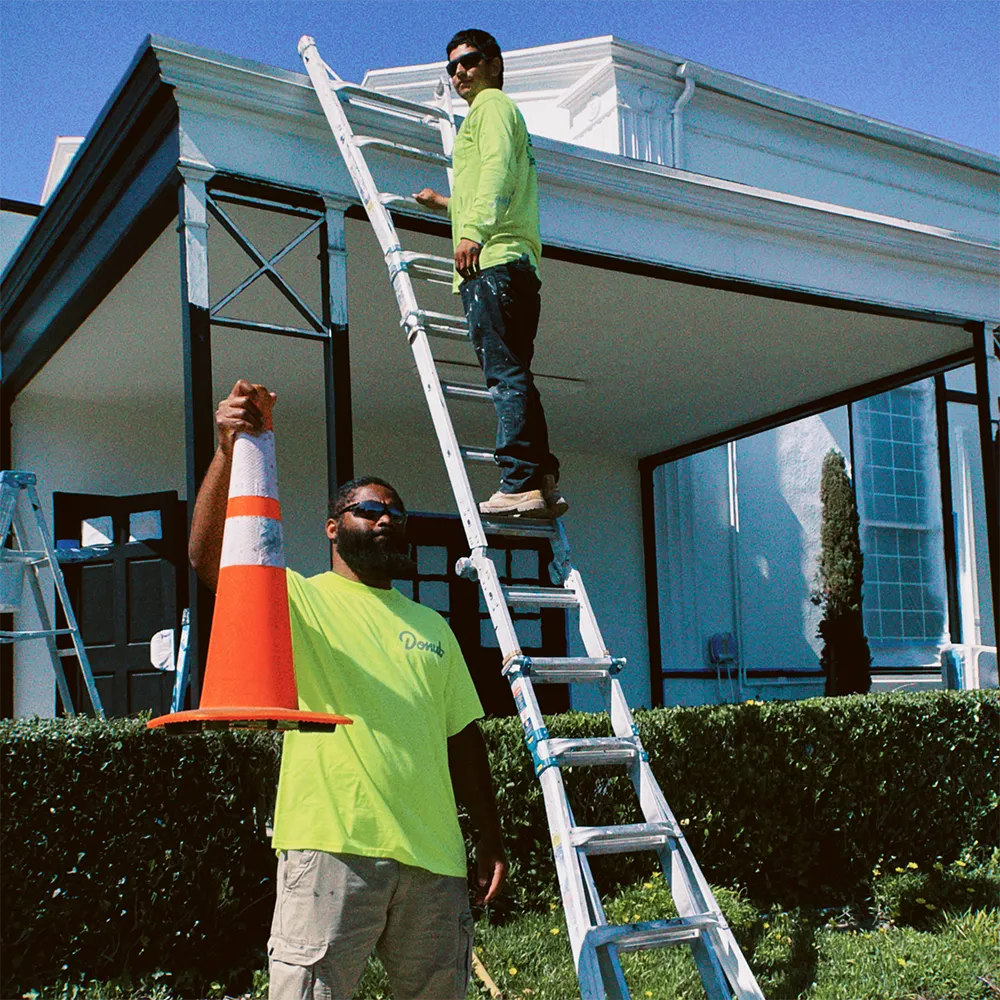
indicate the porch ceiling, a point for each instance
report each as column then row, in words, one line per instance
column 627, row 364
column 635, row 365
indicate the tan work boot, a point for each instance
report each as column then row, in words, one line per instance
column 530, row 503
column 556, row 504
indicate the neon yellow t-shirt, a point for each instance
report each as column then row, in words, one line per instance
column 494, row 196
column 380, row 787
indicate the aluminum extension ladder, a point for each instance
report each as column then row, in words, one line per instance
column 16, row 561
column 595, row 944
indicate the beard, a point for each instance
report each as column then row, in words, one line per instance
column 368, row 553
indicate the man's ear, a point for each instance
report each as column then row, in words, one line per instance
column 331, row 529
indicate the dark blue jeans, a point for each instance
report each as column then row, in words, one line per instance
column 502, row 306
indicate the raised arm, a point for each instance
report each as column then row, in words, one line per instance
column 470, row 777
column 237, row 412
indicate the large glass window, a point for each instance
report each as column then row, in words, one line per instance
column 898, row 499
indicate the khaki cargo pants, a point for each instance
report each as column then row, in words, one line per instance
column 332, row 910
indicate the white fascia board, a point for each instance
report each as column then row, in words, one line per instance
column 602, row 184
column 734, row 231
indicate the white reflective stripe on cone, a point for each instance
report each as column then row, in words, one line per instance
column 255, row 471
column 252, row 541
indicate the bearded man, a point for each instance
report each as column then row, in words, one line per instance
column 370, row 855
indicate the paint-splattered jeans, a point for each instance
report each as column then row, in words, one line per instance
column 502, row 306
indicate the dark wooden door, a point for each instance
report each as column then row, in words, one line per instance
column 437, row 542
column 123, row 592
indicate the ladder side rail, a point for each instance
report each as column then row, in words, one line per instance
column 503, row 624
column 402, row 286
column 727, row 953
column 590, row 631
column 63, row 594
column 450, row 450
column 688, row 885
column 43, row 617
column 693, row 895
column 8, row 503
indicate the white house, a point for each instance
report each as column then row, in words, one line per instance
column 735, row 280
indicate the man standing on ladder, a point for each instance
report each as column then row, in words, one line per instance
column 494, row 224
column 370, row 854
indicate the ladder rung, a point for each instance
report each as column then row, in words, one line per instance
column 602, row 750
column 543, row 597
column 652, row 933
column 39, row 634
column 428, row 266
column 462, row 390
column 398, row 147
column 521, row 527
column 422, row 113
column 28, row 556
column 71, row 651
column 622, row 839
column 441, row 324
column 473, row 454
column 566, row 669
column 399, row 199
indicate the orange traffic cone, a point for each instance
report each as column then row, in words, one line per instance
column 249, row 676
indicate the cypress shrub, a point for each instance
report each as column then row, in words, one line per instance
column 126, row 852
column 846, row 658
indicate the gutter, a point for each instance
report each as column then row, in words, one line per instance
column 676, row 115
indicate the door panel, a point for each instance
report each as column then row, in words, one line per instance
column 131, row 589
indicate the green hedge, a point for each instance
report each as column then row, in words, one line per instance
column 126, row 850
column 130, row 851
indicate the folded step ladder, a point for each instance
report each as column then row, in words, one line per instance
column 595, row 944
column 34, row 563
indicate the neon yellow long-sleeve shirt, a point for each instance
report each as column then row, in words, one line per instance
column 494, row 198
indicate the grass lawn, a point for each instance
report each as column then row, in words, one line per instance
column 923, row 935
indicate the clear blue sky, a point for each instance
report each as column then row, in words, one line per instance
column 929, row 65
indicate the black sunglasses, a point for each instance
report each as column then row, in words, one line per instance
column 372, row 510
column 466, row 61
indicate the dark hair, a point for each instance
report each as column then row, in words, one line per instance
column 478, row 39
column 345, row 495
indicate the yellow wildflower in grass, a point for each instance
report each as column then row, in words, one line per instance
column 685, row 822
column 657, row 874
column 876, row 871
column 960, row 863
column 902, row 962
column 512, row 971
column 647, row 885
column 767, row 927
column 912, row 864
column 931, row 907
column 555, row 930
column 900, row 870
column 552, row 906
column 921, row 900
column 649, row 993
